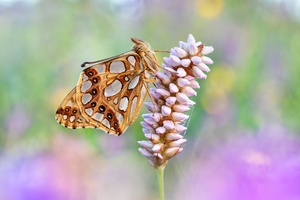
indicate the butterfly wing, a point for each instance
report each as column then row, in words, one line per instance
column 111, row 93
column 69, row 115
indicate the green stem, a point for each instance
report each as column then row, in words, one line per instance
column 160, row 179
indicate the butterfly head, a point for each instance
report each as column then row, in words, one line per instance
column 140, row 45
column 143, row 48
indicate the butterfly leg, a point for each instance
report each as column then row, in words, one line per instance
column 148, row 91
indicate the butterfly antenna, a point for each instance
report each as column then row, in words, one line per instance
column 165, row 51
column 103, row 60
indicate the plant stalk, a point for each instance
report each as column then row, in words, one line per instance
column 160, row 179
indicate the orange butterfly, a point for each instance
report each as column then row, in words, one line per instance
column 110, row 92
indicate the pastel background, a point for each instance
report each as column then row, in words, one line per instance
column 243, row 136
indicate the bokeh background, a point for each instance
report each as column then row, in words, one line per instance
column 243, row 136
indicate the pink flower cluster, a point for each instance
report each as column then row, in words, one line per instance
column 163, row 127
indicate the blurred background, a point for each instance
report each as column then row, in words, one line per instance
column 243, row 136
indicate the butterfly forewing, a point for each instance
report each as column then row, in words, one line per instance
column 69, row 115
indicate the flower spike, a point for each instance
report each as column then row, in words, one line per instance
column 163, row 127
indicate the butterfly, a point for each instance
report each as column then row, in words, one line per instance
column 110, row 92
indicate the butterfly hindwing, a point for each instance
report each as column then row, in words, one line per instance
column 111, row 92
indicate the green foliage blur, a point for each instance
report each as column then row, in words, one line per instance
column 254, row 81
